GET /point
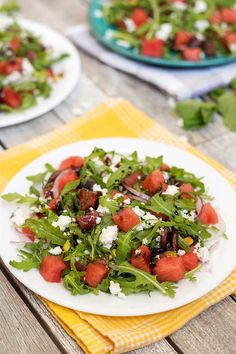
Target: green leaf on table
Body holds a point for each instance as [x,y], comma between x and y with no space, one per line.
[195,113]
[227,108]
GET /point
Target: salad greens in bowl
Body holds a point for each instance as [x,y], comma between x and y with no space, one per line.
[181,33]
[115,223]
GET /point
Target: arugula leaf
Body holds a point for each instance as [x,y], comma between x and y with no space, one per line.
[159,205]
[124,245]
[195,113]
[34,191]
[141,281]
[185,204]
[191,276]
[32,255]
[20,199]
[126,168]
[112,205]
[26,264]
[183,176]
[183,244]
[152,164]
[70,186]
[44,230]
[227,108]
[73,282]
[40,177]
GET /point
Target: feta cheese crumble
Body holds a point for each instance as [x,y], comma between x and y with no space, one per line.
[181,252]
[179,6]
[123,43]
[20,215]
[55,251]
[108,235]
[105,178]
[189,215]
[98,220]
[138,211]
[203,254]
[97,161]
[115,289]
[117,195]
[130,25]
[103,210]
[27,67]
[164,32]
[200,6]
[127,201]
[171,190]
[98,188]
[201,25]
[63,222]
[145,241]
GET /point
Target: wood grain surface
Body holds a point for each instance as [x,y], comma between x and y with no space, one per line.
[26,325]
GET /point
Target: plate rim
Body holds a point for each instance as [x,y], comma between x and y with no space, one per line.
[159,62]
[75,57]
[116,312]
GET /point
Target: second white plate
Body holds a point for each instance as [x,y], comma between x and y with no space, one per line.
[62,88]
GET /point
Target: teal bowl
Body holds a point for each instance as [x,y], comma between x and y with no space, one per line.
[99,27]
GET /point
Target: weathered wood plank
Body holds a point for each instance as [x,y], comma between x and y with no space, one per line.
[20,331]
[213,331]
[49,322]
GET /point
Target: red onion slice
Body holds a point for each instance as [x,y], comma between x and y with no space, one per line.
[143,196]
[199,205]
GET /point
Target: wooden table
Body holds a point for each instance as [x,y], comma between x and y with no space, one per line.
[26,325]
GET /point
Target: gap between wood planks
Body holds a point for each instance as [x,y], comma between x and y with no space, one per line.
[43,324]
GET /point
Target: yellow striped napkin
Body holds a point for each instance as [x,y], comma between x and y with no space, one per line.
[100,334]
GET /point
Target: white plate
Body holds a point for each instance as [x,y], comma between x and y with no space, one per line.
[222,260]
[63,87]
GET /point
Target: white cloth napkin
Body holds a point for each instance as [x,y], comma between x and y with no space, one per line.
[180,83]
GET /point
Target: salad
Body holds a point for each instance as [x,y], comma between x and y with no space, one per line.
[27,69]
[115,223]
[186,29]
